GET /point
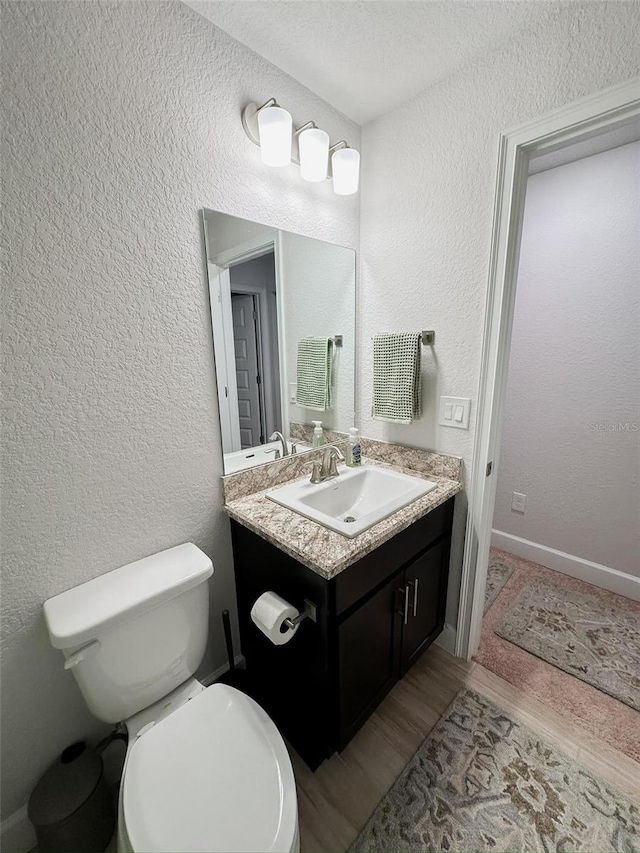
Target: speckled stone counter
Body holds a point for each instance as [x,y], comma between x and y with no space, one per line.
[324,551]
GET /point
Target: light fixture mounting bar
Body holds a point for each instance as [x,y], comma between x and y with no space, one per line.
[304,126]
[250,121]
[270,103]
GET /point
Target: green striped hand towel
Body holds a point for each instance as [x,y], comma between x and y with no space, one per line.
[315,367]
[397,383]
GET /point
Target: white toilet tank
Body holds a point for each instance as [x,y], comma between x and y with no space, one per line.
[133,635]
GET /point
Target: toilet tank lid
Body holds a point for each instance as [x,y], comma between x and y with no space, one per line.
[79,614]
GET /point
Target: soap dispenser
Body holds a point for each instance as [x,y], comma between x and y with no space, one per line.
[318,435]
[354,449]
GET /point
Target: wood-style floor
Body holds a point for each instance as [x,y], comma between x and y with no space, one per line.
[336,801]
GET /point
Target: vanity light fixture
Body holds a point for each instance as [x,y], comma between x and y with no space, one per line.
[274,130]
[313,145]
[271,127]
[345,165]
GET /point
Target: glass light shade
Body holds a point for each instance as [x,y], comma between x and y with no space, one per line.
[275,128]
[345,165]
[314,154]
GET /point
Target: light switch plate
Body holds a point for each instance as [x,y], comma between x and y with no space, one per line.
[293,392]
[454,412]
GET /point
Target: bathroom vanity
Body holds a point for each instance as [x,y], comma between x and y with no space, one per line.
[375,614]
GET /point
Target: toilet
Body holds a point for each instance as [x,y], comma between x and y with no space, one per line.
[206,769]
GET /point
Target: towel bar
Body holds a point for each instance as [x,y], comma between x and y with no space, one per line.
[426,337]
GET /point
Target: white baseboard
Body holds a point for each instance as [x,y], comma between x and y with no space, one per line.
[17,834]
[568,564]
[447,639]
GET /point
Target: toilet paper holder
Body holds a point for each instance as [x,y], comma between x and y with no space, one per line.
[309,611]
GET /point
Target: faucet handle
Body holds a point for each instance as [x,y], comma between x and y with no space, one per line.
[316,472]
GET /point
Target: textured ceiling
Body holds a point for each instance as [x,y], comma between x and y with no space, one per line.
[365,58]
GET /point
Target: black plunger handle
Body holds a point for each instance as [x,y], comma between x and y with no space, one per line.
[226,621]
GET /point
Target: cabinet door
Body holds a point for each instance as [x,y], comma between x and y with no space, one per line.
[426,592]
[368,643]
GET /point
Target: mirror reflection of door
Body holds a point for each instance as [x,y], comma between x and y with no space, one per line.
[248,368]
[255,337]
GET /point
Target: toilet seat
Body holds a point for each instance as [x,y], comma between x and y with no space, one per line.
[214,775]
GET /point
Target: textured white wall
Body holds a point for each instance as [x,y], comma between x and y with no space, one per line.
[575,364]
[121,121]
[427,200]
[320,299]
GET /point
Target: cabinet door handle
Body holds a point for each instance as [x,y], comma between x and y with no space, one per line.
[404,591]
[406,604]
[415,597]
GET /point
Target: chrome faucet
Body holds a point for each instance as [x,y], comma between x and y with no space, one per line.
[327,469]
[278,436]
[330,458]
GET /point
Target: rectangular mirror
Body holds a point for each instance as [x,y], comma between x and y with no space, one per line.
[283,317]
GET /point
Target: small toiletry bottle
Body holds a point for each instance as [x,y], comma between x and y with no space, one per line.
[318,435]
[354,451]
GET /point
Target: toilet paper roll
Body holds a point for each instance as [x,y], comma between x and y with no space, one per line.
[269,612]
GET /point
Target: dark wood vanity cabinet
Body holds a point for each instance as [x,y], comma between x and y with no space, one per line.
[373,620]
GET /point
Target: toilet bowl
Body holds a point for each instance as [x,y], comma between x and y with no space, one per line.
[206,768]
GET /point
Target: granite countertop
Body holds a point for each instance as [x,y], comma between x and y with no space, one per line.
[324,551]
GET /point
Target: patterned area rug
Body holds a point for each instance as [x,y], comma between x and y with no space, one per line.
[583,704]
[579,634]
[498,574]
[483,782]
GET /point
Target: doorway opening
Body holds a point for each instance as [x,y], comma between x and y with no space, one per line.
[610,111]
[255,344]
[245,289]
[560,620]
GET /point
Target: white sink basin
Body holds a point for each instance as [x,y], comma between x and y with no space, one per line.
[353,501]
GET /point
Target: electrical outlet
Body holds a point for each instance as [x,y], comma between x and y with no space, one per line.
[293,393]
[518,502]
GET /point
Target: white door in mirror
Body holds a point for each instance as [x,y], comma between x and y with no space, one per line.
[354,501]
